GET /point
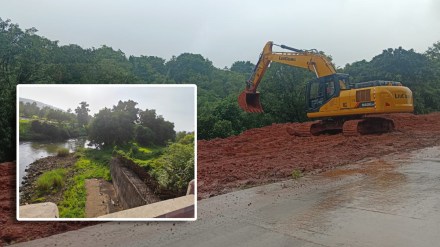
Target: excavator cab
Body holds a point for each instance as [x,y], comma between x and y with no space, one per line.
[323,89]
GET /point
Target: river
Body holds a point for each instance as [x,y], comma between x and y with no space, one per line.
[30,151]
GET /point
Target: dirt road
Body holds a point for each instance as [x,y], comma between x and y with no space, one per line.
[101,198]
[392,201]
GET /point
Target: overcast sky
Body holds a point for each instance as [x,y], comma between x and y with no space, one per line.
[229,30]
[176,104]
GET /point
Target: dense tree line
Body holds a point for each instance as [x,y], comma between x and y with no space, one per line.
[51,124]
[31,110]
[26,57]
[46,131]
[125,122]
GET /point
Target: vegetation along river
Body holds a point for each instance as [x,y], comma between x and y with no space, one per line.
[30,151]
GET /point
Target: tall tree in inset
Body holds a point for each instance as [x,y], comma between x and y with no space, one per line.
[114,126]
[82,113]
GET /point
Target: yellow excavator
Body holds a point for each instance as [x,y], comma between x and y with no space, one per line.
[353,109]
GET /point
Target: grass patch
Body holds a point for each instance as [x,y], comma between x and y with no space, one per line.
[143,156]
[62,152]
[51,181]
[39,199]
[24,129]
[89,165]
[102,156]
[296,174]
[93,163]
[145,150]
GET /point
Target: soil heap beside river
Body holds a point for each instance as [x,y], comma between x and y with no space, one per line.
[12,231]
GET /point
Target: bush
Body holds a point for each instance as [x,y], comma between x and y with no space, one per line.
[144,135]
[62,152]
[177,166]
[296,174]
[51,180]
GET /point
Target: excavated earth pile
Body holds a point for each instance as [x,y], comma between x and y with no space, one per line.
[11,230]
[270,154]
[254,157]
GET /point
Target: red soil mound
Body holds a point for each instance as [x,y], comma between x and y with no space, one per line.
[269,154]
[11,230]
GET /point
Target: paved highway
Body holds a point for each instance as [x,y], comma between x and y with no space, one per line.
[392,201]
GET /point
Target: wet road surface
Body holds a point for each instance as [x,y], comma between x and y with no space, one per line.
[393,201]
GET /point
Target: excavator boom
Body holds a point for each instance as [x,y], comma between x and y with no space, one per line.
[249,99]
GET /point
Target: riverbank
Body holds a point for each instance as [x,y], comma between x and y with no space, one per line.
[65,178]
[30,151]
[29,192]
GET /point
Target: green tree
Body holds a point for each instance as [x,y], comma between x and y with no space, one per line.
[101,127]
[128,108]
[144,135]
[433,52]
[222,128]
[178,165]
[163,130]
[114,126]
[82,113]
[148,68]
[244,67]
[187,66]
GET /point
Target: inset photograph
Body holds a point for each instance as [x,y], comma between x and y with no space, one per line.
[106,152]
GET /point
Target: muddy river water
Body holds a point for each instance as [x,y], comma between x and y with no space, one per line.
[30,151]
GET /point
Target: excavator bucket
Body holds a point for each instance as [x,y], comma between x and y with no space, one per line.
[250,102]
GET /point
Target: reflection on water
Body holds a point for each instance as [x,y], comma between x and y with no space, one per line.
[30,151]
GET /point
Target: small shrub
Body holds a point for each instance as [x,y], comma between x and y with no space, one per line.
[296,174]
[39,199]
[62,152]
[51,180]
[134,149]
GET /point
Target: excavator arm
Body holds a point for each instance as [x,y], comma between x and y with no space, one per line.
[249,99]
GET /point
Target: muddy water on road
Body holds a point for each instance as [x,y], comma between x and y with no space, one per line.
[395,203]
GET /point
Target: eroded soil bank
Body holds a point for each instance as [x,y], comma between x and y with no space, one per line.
[268,154]
[11,230]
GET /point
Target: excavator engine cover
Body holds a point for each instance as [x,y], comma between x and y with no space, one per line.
[250,102]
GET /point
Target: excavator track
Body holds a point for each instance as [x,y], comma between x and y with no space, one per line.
[350,128]
[305,130]
[367,125]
